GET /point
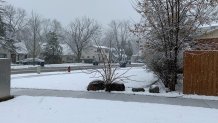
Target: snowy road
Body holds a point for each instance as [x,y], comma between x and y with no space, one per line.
[49,68]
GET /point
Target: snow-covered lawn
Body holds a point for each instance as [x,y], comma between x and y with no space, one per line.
[26,109]
[76,80]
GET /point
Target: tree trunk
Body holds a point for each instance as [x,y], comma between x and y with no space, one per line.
[78,57]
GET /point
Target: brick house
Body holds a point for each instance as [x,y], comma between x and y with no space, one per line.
[207,41]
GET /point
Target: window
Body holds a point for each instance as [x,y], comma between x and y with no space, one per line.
[3,55]
[99,50]
[87,57]
[106,51]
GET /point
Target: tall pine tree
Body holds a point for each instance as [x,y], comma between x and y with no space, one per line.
[53,50]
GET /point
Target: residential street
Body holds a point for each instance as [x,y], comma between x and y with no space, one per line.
[117,97]
[53,69]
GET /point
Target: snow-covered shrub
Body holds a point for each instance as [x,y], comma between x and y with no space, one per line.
[115,87]
[154,89]
[96,85]
[156,62]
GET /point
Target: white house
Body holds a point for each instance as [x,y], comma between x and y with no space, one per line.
[100,53]
[19,54]
[67,54]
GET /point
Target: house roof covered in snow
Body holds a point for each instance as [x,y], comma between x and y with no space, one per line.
[207,32]
[102,47]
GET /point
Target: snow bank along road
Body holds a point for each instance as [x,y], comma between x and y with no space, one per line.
[117,97]
[53,69]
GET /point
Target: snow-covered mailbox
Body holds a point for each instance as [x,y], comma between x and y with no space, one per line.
[5,73]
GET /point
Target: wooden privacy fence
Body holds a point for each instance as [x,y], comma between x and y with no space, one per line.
[201,73]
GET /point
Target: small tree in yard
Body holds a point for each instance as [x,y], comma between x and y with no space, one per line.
[109,73]
[166,27]
[53,50]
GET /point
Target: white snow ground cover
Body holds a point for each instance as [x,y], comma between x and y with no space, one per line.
[76,80]
[25,109]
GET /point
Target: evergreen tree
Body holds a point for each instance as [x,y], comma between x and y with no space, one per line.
[53,50]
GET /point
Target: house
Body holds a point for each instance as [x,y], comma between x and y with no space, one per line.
[20,52]
[208,40]
[67,54]
[4,52]
[99,53]
[94,53]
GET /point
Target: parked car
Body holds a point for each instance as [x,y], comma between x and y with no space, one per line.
[129,61]
[123,63]
[95,62]
[140,61]
[29,61]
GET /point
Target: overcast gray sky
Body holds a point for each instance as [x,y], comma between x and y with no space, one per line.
[66,10]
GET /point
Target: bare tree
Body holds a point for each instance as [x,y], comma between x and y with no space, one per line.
[166,26]
[119,36]
[2,25]
[52,26]
[32,35]
[109,72]
[80,33]
[15,21]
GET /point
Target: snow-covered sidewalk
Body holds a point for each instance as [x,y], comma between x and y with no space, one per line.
[26,109]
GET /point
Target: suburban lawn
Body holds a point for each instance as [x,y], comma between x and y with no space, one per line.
[77,80]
